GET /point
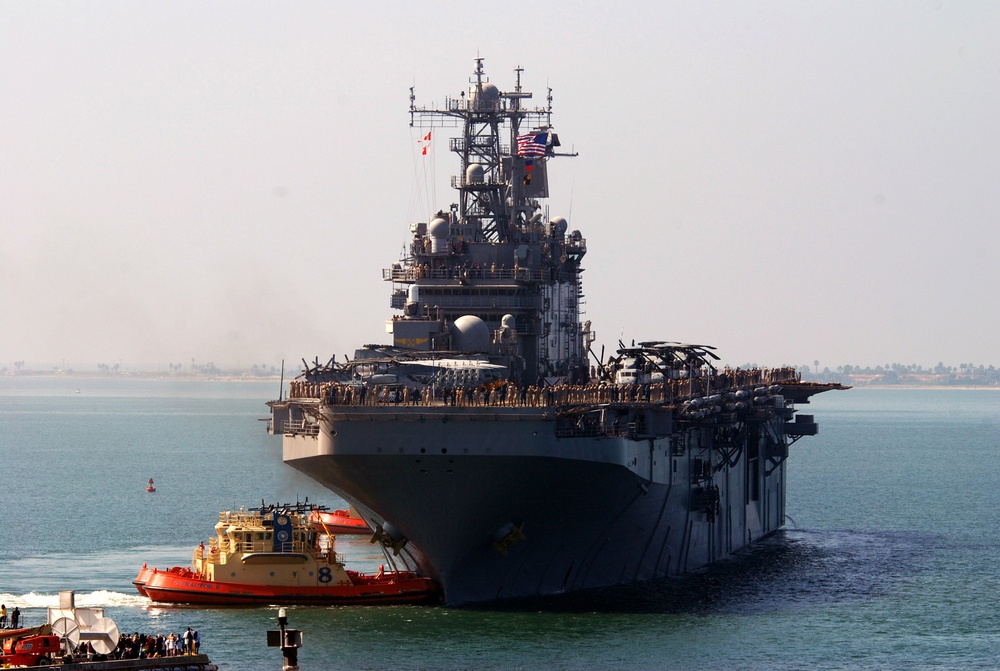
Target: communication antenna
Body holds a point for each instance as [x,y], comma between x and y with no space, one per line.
[281,382]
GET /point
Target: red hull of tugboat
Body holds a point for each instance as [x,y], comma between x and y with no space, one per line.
[179,585]
[140,580]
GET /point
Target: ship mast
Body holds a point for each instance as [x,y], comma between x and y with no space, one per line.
[493,200]
[494,255]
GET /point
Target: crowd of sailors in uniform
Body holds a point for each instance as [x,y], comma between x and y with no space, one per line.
[466,271]
[142,646]
[148,646]
[503,393]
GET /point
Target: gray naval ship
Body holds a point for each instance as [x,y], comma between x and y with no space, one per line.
[489,447]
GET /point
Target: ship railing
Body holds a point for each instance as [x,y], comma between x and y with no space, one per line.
[240,518]
[592,429]
[300,428]
[481,143]
[478,301]
[323,554]
[532,116]
[246,547]
[507,395]
[458,181]
[412,273]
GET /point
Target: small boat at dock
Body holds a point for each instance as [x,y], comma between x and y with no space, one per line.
[275,554]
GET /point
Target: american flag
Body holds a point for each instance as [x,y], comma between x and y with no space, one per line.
[532,145]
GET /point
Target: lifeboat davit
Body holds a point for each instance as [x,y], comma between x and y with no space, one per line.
[275,554]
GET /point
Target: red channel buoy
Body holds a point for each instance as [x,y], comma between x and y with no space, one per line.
[151,488]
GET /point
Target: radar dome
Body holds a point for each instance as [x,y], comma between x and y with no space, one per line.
[508,322]
[474,174]
[470,334]
[486,97]
[438,228]
[438,231]
[559,226]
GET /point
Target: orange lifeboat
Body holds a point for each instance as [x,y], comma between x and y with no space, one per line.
[339,521]
[142,577]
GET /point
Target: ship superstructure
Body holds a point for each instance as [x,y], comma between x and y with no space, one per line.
[495,273]
[485,449]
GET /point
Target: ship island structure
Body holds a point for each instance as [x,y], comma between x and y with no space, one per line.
[488,446]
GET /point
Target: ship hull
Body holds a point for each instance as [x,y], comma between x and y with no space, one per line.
[494,505]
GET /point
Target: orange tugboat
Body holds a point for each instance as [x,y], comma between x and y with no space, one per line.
[277,554]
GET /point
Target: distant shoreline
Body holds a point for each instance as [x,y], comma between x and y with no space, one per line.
[223,377]
[957,387]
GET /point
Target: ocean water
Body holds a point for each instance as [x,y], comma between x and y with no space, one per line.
[889,559]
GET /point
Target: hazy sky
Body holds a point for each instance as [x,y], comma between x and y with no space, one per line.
[224,181]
